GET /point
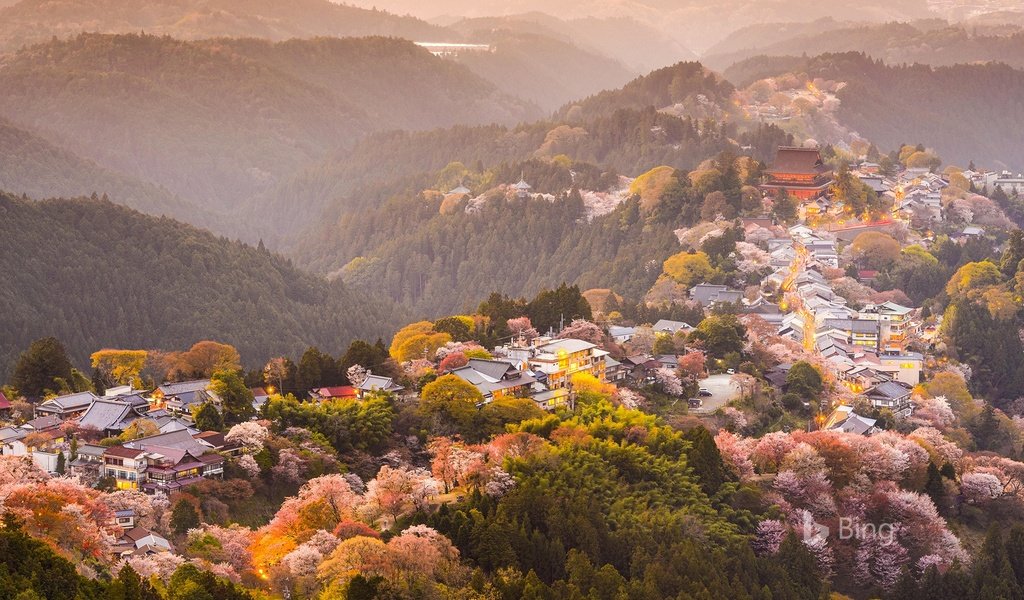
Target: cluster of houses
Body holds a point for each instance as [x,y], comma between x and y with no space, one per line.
[173,454]
[540,369]
[865,349]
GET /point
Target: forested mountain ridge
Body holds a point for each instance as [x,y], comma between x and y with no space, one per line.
[98,275]
[32,21]
[961,111]
[33,166]
[928,42]
[235,116]
[392,164]
[683,83]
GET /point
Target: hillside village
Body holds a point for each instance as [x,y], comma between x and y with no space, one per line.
[808,345]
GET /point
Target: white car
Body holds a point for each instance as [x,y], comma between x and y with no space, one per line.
[731,372]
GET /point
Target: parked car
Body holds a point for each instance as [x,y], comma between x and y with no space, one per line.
[695,402]
[731,371]
[704,392]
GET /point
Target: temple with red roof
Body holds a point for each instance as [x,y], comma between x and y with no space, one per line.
[799,171]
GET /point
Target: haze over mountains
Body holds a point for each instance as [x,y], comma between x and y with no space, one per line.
[218,118]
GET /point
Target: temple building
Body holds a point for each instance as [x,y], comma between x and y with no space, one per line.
[799,171]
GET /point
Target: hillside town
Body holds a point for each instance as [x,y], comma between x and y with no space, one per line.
[804,339]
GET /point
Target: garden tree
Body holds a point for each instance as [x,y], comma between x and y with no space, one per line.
[236,399]
[664,344]
[362,353]
[316,369]
[204,359]
[61,463]
[208,418]
[875,250]
[784,207]
[184,516]
[410,331]
[720,247]
[858,198]
[417,341]
[720,335]
[564,304]
[581,329]
[121,367]
[716,206]
[689,268]
[139,429]
[43,368]
[493,418]
[804,380]
[452,361]
[917,272]
[521,327]
[973,276]
[706,461]
[449,403]
[280,374]
[460,328]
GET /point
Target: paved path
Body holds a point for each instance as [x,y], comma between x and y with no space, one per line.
[722,388]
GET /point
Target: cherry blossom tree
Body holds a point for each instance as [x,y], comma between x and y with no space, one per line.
[581,329]
[452,361]
[356,375]
[499,482]
[399,491]
[768,537]
[980,488]
[248,464]
[451,461]
[735,454]
[160,565]
[880,560]
[630,399]
[521,327]
[668,381]
[932,412]
[252,436]
[770,450]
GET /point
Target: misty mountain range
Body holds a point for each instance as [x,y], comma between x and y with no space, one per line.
[325,132]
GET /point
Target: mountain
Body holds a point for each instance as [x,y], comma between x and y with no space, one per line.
[694,24]
[34,166]
[926,42]
[638,46]
[33,21]
[686,83]
[546,71]
[98,275]
[961,111]
[219,121]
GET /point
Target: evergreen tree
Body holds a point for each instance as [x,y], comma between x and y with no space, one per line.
[208,418]
[236,399]
[41,367]
[184,517]
[705,460]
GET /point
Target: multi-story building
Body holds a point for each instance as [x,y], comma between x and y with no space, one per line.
[559,360]
[894,325]
[165,462]
[801,172]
